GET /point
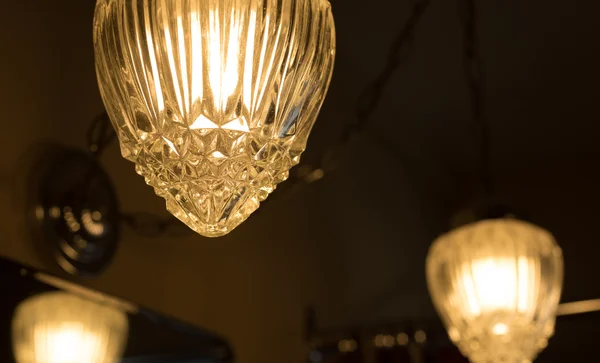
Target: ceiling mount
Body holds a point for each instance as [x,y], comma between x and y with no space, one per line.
[73,213]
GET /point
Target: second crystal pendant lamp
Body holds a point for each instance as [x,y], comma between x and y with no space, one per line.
[213,100]
[494,280]
[496,284]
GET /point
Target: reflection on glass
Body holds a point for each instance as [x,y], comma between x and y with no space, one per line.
[59,327]
[496,285]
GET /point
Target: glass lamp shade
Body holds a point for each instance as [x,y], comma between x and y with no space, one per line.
[496,285]
[213,99]
[58,327]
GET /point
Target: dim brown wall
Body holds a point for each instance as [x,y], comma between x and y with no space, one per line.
[251,287]
[354,244]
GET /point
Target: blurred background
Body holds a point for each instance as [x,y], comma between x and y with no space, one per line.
[352,246]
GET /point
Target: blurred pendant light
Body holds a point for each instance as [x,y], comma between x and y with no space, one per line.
[59,327]
[494,280]
[496,284]
[213,99]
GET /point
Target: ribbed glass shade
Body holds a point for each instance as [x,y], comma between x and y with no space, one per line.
[58,327]
[496,285]
[213,99]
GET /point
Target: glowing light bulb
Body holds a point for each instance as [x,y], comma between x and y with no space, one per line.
[58,327]
[496,285]
[213,100]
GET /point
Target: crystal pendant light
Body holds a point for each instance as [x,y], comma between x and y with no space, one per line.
[213,99]
[59,327]
[496,284]
[495,280]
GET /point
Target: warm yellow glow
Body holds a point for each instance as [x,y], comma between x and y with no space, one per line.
[503,283]
[213,100]
[59,327]
[66,343]
[496,285]
[500,329]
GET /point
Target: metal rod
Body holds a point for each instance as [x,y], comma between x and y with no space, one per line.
[474,74]
[578,307]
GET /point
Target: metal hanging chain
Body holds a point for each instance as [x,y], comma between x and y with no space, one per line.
[475,81]
[151,225]
[100,134]
[368,99]
[371,96]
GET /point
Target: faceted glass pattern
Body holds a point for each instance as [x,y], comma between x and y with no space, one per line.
[213,99]
[58,327]
[496,285]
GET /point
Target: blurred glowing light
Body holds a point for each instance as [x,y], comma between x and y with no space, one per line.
[92,222]
[54,212]
[402,339]
[496,285]
[58,327]
[96,216]
[388,341]
[420,336]
[39,213]
[347,345]
[72,223]
[384,341]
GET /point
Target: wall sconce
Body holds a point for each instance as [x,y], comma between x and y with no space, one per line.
[72,210]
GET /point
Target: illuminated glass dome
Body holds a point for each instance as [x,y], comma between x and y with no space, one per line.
[213,100]
[59,327]
[496,285]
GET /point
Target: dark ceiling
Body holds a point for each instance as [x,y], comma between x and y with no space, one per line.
[354,244]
